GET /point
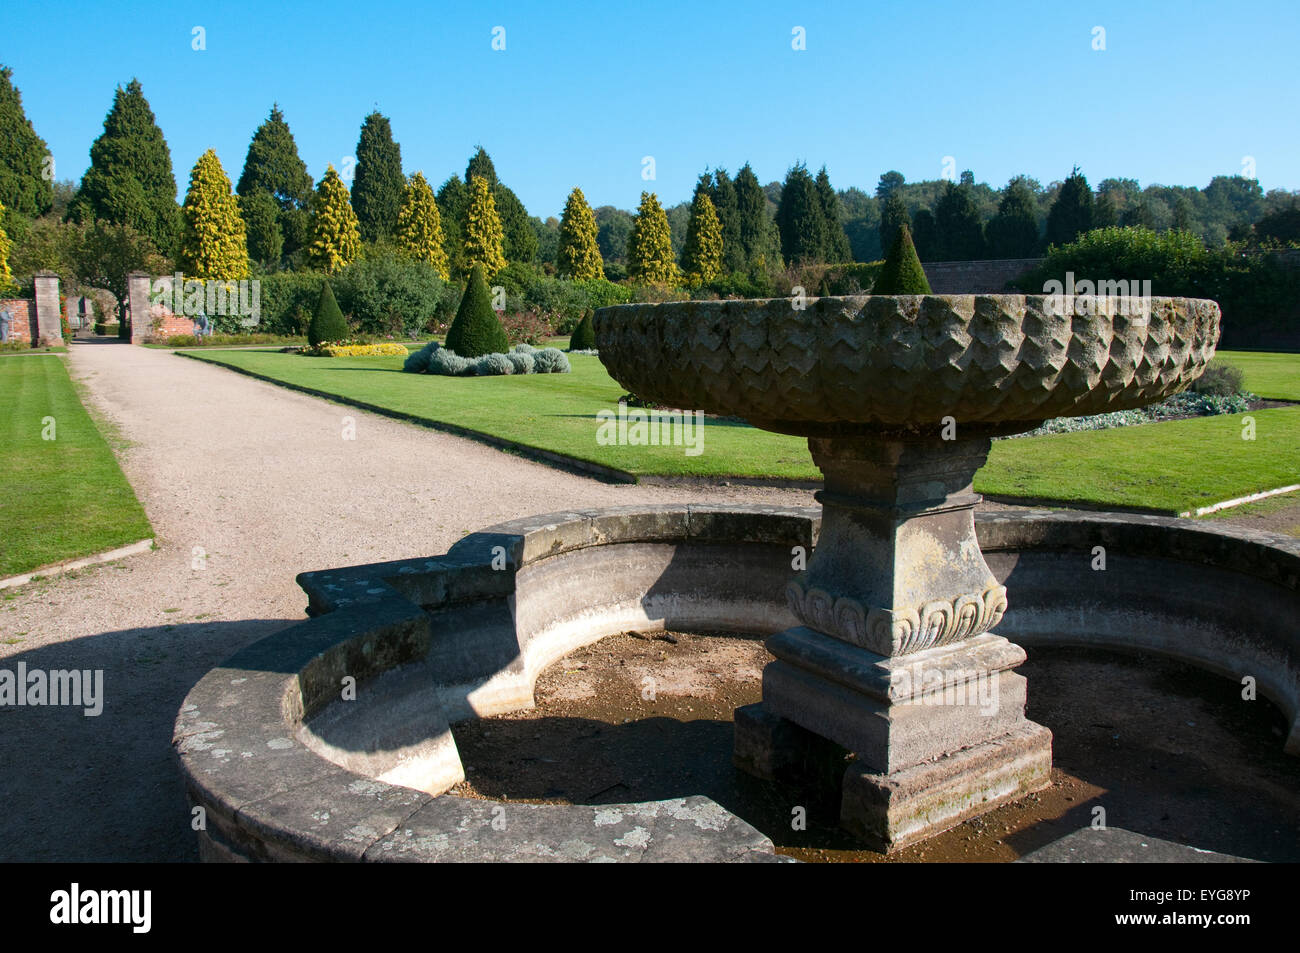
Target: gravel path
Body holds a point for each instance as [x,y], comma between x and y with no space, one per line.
[262,481]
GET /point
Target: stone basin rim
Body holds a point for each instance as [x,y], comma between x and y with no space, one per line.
[716,302]
[244,705]
[900,361]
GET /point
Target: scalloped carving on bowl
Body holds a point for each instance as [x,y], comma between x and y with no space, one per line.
[873,362]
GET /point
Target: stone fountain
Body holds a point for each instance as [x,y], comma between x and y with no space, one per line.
[333,739]
[896,660]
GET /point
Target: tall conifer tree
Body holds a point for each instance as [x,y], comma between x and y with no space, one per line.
[727,204]
[419,226]
[483,234]
[650,246]
[1013,231]
[893,216]
[957,221]
[925,235]
[130,179]
[274,168]
[760,245]
[519,241]
[264,235]
[801,218]
[335,237]
[836,247]
[213,242]
[25,185]
[453,199]
[1071,214]
[702,256]
[579,254]
[379,184]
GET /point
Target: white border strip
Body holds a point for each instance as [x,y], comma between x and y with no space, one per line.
[1241,500]
[142,546]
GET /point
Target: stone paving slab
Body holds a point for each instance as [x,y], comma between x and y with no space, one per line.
[1114,845]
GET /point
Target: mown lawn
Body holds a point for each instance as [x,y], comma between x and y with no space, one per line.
[1276,376]
[1167,467]
[64,497]
[555,412]
[1173,467]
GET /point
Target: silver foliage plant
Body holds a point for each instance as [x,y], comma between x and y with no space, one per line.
[522,359]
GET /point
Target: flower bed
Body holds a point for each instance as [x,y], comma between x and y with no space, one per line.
[351,349]
[1178,407]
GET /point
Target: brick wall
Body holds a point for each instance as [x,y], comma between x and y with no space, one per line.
[163,323]
[975,277]
[24,315]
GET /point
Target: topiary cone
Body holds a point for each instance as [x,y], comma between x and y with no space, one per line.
[584,335]
[328,323]
[476,330]
[902,273]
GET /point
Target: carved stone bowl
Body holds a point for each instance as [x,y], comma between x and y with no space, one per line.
[870,363]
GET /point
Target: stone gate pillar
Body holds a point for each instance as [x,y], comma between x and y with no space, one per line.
[48,331]
[138,286]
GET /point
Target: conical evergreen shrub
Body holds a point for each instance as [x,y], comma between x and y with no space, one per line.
[213,236]
[902,273]
[584,335]
[328,323]
[476,329]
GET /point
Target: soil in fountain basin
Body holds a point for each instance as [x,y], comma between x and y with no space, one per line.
[1165,749]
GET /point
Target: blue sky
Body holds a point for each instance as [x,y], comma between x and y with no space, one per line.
[583,91]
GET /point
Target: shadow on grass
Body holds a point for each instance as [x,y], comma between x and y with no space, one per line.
[382,370]
[708,421]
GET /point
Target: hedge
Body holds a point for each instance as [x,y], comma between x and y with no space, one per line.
[1257,288]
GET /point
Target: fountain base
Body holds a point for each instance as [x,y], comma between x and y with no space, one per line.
[890,811]
[938,735]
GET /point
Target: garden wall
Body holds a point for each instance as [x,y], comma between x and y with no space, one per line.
[24,318]
[975,277]
[154,321]
[37,322]
[163,323]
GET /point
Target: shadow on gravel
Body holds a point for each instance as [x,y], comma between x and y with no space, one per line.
[106,788]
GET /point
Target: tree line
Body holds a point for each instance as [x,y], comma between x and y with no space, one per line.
[276,218]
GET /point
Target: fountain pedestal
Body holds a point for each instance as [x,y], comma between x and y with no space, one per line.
[895,662]
[897,604]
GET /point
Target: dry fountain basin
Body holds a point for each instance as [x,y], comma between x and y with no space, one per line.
[331,740]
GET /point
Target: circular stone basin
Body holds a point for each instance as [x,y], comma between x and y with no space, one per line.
[906,361]
[1158,744]
[288,769]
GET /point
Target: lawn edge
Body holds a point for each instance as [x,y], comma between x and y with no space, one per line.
[1241,501]
[1086,505]
[114,442]
[80,562]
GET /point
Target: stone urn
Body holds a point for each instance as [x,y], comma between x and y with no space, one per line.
[896,660]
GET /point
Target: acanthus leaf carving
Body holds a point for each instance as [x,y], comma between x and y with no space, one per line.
[896,632]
